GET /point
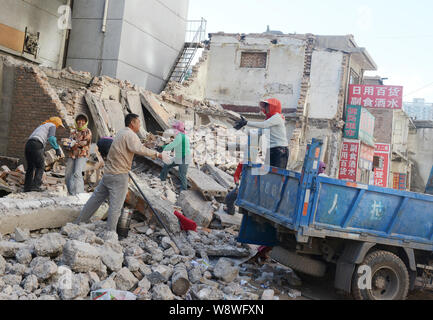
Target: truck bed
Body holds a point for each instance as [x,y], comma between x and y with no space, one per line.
[328,207]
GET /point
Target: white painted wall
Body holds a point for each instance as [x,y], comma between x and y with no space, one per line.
[153,34]
[39,16]
[420,145]
[228,83]
[326,77]
[141,44]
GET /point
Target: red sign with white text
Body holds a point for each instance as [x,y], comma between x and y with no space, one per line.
[349,161]
[381,174]
[380,97]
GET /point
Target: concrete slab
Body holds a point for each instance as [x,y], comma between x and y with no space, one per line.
[35,214]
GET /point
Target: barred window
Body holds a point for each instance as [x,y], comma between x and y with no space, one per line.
[253,59]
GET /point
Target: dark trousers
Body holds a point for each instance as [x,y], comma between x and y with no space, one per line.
[279,157]
[230,201]
[183,170]
[35,158]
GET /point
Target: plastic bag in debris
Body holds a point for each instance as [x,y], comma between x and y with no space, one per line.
[111,294]
[201,262]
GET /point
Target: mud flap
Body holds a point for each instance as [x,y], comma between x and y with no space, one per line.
[252,232]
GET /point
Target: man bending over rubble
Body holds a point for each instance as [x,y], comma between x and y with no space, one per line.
[34,152]
[114,183]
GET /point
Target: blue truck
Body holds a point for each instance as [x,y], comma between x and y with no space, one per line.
[378,241]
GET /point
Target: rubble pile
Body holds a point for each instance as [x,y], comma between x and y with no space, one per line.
[71,262]
[77,261]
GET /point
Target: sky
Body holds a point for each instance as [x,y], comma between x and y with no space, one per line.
[398,34]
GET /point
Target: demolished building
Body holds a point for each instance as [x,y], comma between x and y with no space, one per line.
[242,69]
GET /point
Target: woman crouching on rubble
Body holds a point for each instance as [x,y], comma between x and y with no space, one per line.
[275,122]
[79,150]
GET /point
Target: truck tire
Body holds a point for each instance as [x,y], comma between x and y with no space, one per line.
[389,278]
[299,263]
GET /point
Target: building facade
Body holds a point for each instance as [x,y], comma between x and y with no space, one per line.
[130,40]
[419,109]
[310,74]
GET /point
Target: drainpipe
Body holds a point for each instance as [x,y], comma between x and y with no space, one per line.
[64,47]
[104,21]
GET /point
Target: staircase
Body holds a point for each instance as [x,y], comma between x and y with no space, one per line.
[181,67]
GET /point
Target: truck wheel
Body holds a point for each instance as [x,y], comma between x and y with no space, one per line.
[299,263]
[389,278]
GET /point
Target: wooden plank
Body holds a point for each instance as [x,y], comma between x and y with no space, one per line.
[116,115]
[99,115]
[161,116]
[135,106]
[11,38]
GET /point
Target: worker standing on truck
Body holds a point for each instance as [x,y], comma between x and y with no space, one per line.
[34,152]
[275,121]
[114,183]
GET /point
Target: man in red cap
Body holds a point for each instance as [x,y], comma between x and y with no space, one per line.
[275,122]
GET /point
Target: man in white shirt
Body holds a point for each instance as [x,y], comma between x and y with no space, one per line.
[114,183]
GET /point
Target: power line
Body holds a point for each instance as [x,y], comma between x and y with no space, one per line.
[428,85]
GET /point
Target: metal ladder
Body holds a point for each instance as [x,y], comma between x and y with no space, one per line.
[186,56]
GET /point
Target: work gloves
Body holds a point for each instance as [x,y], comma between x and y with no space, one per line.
[240,123]
[58,152]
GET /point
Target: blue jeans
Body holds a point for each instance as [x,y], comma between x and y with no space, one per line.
[74,175]
[183,170]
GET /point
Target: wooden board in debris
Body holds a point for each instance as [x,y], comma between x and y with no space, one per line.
[99,115]
[116,115]
[154,107]
[134,104]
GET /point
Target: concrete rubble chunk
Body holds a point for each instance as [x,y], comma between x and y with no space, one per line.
[268,294]
[50,244]
[9,249]
[162,292]
[24,256]
[225,270]
[112,256]
[165,271]
[76,232]
[45,270]
[125,280]
[21,235]
[179,281]
[80,288]
[2,265]
[155,278]
[81,257]
[132,263]
[30,283]
[195,274]
[12,279]
[108,283]
[17,268]
[145,284]
[194,207]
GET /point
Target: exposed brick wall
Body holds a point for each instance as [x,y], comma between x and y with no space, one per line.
[34,101]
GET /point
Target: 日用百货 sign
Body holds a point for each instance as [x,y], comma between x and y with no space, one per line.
[372,96]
